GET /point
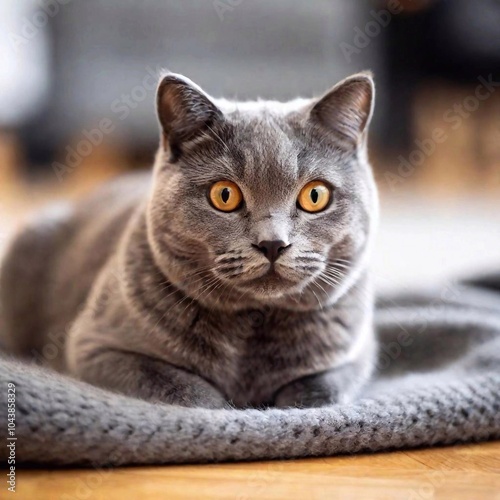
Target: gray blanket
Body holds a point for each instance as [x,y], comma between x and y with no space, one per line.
[437,382]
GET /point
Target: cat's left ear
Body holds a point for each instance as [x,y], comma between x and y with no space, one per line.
[185,111]
[346,110]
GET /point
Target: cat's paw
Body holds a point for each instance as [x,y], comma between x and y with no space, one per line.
[199,395]
[310,392]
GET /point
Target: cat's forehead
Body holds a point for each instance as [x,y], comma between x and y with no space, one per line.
[267,145]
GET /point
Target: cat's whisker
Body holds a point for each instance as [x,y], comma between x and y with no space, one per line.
[315,283]
[318,285]
[329,281]
[365,294]
[337,270]
[204,287]
[365,298]
[340,266]
[346,261]
[317,298]
[178,290]
[331,274]
[212,286]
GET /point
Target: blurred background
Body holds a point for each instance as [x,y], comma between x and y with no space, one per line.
[77,85]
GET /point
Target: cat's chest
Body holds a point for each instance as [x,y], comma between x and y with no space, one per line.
[250,355]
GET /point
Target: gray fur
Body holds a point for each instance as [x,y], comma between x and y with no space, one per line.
[152,292]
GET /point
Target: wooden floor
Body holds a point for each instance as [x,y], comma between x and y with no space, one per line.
[469,472]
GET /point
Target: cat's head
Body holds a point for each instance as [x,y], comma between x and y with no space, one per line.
[263,201]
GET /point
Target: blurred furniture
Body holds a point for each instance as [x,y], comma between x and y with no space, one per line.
[104,51]
[445,41]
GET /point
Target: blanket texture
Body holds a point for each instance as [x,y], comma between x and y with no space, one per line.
[437,382]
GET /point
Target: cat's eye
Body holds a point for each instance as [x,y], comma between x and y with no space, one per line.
[314,196]
[225,196]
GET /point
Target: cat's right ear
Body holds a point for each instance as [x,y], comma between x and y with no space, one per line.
[184,111]
[344,112]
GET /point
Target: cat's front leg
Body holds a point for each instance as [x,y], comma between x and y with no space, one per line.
[335,386]
[147,378]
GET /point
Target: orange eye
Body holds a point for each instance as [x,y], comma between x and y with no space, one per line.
[225,196]
[314,196]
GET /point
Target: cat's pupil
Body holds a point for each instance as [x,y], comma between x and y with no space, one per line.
[225,193]
[314,195]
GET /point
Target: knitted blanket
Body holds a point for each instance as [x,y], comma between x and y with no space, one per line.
[437,382]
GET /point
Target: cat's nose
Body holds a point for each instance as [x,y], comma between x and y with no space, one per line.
[272,249]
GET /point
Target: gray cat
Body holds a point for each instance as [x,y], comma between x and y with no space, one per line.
[236,275]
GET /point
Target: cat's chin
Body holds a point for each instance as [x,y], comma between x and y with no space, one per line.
[271,286]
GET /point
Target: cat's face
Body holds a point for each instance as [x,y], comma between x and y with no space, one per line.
[263,200]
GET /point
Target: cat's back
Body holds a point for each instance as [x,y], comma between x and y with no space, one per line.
[51,264]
